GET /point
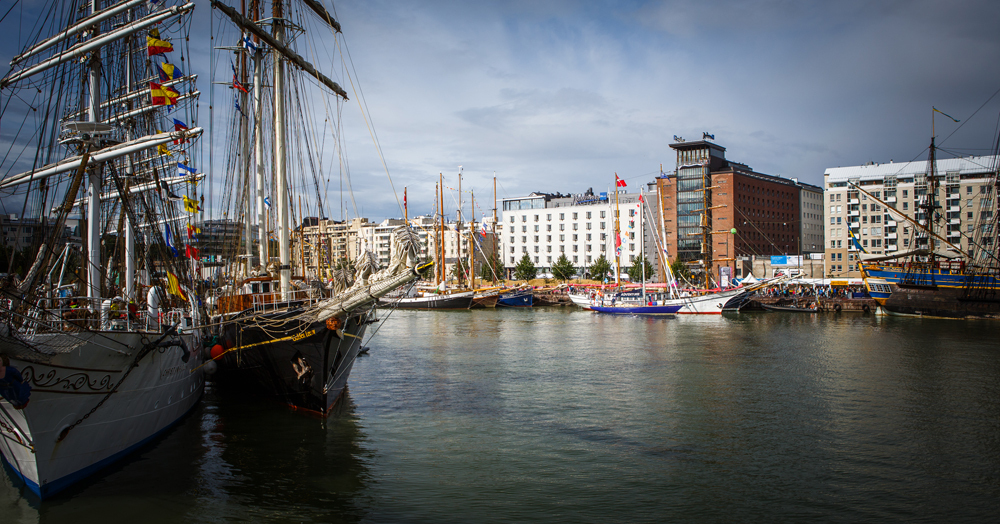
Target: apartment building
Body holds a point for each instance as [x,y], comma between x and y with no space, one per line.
[869,201]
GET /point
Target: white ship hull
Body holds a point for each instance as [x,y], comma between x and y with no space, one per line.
[69,385]
[708,304]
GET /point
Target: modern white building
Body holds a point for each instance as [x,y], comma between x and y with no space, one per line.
[963,194]
[581,226]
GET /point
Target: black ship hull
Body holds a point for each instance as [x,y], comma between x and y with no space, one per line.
[938,302]
[303,364]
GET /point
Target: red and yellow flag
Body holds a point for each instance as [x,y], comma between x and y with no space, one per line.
[174,287]
[155,46]
[162,95]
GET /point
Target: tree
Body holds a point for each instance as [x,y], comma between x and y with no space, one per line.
[635,272]
[491,265]
[680,270]
[563,269]
[525,270]
[459,271]
[600,268]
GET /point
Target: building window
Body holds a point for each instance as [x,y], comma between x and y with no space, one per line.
[524,239]
[524,229]
[536,260]
[588,236]
[562,227]
[576,237]
[604,247]
[906,205]
[562,238]
[524,218]
[602,225]
[536,238]
[511,240]
[548,238]
[562,249]
[548,216]
[602,215]
[906,193]
[574,216]
[512,219]
[548,249]
[576,259]
[548,227]
[588,215]
[575,248]
[536,228]
[576,226]
[536,249]
[548,259]
[604,236]
[588,225]
[562,216]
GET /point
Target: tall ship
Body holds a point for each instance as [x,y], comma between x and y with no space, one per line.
[939,278]
[101,327]
[294,333]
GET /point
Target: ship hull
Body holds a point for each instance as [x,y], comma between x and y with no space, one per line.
[639,310]
[77,422]
[454,301]
[304,364]
[937,293]
[516,300]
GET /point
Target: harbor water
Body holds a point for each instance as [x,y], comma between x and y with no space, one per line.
[561,415]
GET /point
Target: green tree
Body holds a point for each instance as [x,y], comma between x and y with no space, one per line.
[491,265]
[563,269]
[600,268]
[525,270]
[635,272]
[680,270]
[460,270]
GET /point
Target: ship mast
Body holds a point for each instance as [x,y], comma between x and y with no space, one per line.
[280,174]
[495,254]
[94,178]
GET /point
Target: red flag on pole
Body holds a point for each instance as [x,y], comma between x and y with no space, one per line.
[619,182]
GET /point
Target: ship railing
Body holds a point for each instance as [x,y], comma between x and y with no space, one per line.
[264,302]
[67,314]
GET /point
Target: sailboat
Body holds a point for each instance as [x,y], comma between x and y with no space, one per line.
[290,334]
[931,282]
[440,296]
[101,339]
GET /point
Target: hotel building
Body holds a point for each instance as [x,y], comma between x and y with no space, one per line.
[581,226]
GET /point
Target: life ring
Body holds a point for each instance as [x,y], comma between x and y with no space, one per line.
[866,309]
[837,308]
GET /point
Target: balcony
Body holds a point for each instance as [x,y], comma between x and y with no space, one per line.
[891,247]
[890,236]
[890,200]
[953,209]
[855,225]
[854,213]
[955,221]
[853,201]
[890,223]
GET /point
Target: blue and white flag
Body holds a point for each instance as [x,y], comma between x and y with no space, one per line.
[249,45]
[170,243]
[183,170]
[267,202]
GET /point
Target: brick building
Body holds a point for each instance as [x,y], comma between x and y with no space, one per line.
[710,197]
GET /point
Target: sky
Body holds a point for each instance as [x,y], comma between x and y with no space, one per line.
[558,96]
